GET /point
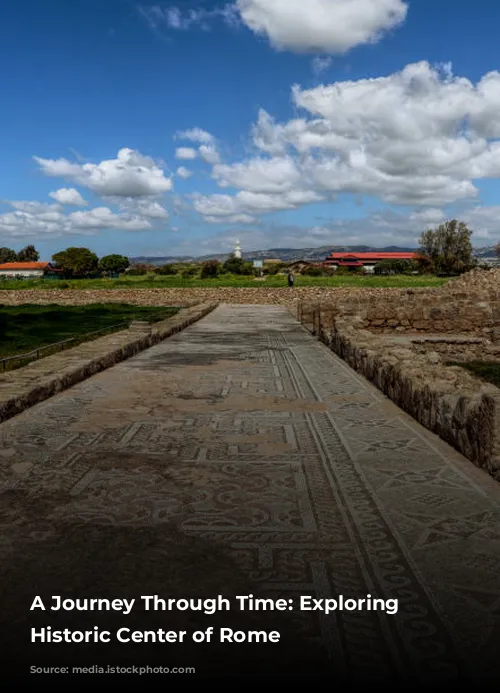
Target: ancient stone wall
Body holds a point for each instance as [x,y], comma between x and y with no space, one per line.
[39,380]
[445,399]
[404,343]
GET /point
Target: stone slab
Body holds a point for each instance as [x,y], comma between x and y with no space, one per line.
[24,387]
[242,456]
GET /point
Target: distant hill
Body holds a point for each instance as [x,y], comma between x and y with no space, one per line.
[295,254]
[284,254]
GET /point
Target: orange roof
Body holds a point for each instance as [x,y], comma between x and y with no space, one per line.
[24,265]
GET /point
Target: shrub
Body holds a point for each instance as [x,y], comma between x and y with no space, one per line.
[273,269]
[313,271]
[235,265]
[210,269]
[166,270]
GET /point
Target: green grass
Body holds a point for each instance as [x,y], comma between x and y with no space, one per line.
[485,370]
[273,281]
[28,327]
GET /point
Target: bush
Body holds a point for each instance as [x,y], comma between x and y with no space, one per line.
[273,269]
[166,270]
[313,271]
[137,272]
[235,265]
[210,269]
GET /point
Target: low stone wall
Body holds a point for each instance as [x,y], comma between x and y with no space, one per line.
[446,400]
[258,295]
[39,380]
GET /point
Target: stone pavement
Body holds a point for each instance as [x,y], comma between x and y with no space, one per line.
[242,457]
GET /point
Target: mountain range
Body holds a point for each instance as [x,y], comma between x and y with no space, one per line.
[294,254]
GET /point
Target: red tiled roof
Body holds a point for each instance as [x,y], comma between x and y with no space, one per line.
[372,256]
[24,265]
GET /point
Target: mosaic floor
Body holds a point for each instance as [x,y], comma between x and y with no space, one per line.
[261,454]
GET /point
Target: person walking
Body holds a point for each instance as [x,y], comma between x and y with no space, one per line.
[291,278]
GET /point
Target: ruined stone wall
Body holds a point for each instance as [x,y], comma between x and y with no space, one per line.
[445,399]
[459,307]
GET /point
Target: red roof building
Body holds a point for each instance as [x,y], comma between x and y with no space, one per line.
[366,260]
[26,269]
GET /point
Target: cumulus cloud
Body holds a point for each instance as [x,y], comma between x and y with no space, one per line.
[275,175]
[68,196]
[225,207]
[186,153]
[36,219]
[196,135]
[419,136]
[183,172]
[129,175]
[209,153]
[145,209]
[321,26]
[315,26]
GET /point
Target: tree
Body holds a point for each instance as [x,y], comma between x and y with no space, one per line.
[28,254]
[8,255]
[114,263]
[449,247]
[78,262]
[210,269]
[235,265]
[396,267]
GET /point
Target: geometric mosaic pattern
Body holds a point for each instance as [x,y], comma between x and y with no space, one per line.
[245,431]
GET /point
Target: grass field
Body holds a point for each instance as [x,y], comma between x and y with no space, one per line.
[153,281]
[488,371]
[29,327]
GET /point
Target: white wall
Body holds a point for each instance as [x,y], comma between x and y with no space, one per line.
[22,273]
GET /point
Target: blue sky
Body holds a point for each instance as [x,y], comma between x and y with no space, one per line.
[176,128]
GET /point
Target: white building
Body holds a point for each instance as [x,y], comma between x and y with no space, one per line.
[237,250]
[24,269]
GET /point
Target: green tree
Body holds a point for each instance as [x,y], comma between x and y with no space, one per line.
[210,269]
[114,263]
[8,255]
[449,247]
[28,254]
[236,265]
[77,262]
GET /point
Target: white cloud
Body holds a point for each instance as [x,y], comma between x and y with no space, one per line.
[275,175]
[129,175]
[419,136]
[196,135]
[145,209]
[312,26]
[69,196]
[251,203]
[232,219]
[209,154]
[321,26]
[37,219]
[104,218]
[183,172]
[186,153]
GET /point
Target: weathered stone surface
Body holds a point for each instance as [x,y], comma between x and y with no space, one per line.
[421,385]
[22,388]
[242,457]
